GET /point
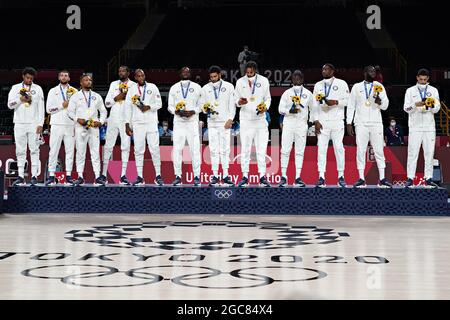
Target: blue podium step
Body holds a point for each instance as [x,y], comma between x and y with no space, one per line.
[151,199]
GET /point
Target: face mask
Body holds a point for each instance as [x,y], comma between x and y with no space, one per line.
[393,124]
[165,128]
[422,86]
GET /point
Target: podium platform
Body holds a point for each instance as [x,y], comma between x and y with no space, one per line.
[151,199]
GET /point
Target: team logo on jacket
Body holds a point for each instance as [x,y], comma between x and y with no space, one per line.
[428,94]
[304,96]
[149,91]
[223,89]
[258,85]
[191,90]
[335,88]
[33,92]
[94,98]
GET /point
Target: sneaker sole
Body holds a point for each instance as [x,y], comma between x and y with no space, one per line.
[299,185]
[383,187]
[360,187]
[322,186]
[124,183]
[138,184]
[158,184]
[243,186]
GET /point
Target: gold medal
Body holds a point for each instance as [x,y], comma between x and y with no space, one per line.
[216,103]
[368,103]
[27,105]
[252,99]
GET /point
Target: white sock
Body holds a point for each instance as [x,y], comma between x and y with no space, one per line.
[298,172]
[139,171]
[105,168]
[225,172]
[124,168]
[216,173]
[340,174]
[80,175]
[245,175]
[21,172]
[322,175]
[157,170]
[283,172]
[361,174]
[381,173]
[68,173]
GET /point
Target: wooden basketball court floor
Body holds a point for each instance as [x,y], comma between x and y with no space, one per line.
[223,257]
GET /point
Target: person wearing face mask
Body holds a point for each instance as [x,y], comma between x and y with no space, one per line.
[27,101]
[62,127]
[367,99]
[164,130]
[184,104]
[295,126]
[422,127]
[394,133]
[219,94]
[328,118]
[252,90]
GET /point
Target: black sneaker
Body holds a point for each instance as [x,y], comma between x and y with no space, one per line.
[99,182]
[227,182]
[341,182]
[384,184]
[243,183]
[360,184]
[409,183]
[104,179]
[139,181]
[264,183]
[177,181]
[299,183]
[283,183]
[19,182]
[197,182]
[34,181]
[51,181]
[214,182]
[429,183]
[79,182]
[159,180]
[69,180]
[124,181]
[321,183]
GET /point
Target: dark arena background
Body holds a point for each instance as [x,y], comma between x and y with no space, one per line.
[199,240]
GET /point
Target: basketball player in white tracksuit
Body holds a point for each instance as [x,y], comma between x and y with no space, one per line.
[142,123]
[62,127]
[185,124]
[28,122]
[422,127]
[295,126]
[364,108]
[328,118]
[84,106]
[251,90]
[220,95]
[115,99]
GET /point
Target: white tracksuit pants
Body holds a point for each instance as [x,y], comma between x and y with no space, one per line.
[260,135]
[58,134]
[112,131]
[82,140]
[427,141]
[295,133]
[141,134]
[25,135]
[219,147]
[335,132]
[373,134]
[182,132]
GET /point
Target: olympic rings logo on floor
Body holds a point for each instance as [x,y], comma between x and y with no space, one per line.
[223,194]
[100,276]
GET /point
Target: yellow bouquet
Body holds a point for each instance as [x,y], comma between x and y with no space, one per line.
[123,87]
[24,92]
[89,124]
[377,88]
[296,100]
[429,103]
[180,106]
[70,92]
[208,109]
[260,108]
[320,97]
